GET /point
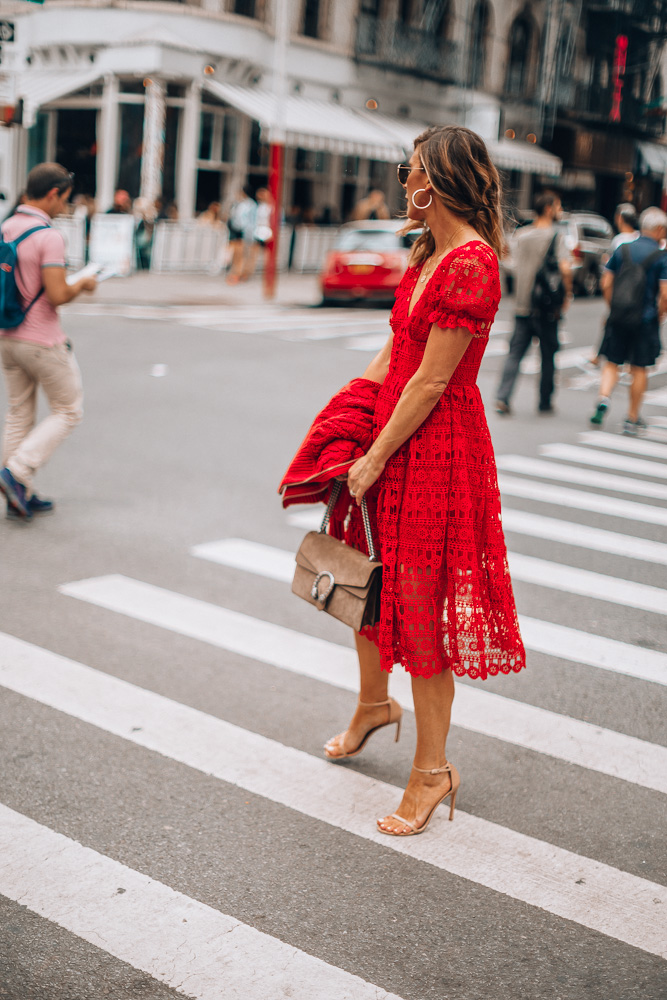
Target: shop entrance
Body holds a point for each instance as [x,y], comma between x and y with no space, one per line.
[76,146]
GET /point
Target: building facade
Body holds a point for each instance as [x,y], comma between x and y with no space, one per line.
[180,99]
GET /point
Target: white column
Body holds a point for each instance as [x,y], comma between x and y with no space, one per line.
[152,161]
[107,144]
[188,151]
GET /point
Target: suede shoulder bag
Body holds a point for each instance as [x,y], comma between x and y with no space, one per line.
[336,578]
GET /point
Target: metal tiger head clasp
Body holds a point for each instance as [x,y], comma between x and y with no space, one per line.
[314,592]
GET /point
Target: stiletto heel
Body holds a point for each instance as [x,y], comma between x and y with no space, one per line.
[395,716]
[451,791]
[451,806]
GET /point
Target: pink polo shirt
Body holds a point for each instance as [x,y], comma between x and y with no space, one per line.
[43,249]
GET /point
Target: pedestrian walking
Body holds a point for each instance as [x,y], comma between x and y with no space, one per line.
[241,227]
[35,352]
[627,224]
[263,232]
[543,293]
[372,207]
[429,475]
[634,284]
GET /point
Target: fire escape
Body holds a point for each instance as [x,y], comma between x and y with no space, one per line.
[622,87]
[403,45]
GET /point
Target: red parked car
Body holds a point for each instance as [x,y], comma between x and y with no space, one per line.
[367,262]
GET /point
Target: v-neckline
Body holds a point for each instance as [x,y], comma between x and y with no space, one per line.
[410,310]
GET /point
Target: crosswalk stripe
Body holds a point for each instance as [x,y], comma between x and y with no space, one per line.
[279,565]
[177,940]
[562,496]
[616,442]
[583,536]
[479,711]
[605,460]
[590,893]
[598,586]
[527,466]
[520,522]
[540,636]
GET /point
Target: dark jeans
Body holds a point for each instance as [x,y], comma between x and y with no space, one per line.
[527,327]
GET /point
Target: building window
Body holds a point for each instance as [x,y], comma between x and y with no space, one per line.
[519,57]
[246,8]
[310,25]
[479,36]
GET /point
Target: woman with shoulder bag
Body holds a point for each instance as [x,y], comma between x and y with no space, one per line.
[429,475]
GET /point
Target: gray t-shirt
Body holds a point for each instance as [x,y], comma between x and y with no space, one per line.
[532,243]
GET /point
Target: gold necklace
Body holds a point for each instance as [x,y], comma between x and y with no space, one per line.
[426,272]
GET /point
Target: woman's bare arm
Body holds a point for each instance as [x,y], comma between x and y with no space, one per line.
[379,366]
[444,350]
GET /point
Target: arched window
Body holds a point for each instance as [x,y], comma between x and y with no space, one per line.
[435,18]
[311,18]
[519,56]
[479,34]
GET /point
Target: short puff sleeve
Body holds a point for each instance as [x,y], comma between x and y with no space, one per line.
[469,292]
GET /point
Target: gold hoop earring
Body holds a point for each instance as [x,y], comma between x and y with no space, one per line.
[421,208]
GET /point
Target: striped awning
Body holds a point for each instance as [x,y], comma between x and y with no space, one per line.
[312,124]
[513,154]
[44,87]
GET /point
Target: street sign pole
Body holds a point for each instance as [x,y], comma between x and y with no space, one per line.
[277,144]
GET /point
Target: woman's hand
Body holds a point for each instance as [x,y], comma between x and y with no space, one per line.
[365,471]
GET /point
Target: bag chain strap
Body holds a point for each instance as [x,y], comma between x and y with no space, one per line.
[333,500]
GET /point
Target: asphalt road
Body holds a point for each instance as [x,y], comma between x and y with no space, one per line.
[169,826]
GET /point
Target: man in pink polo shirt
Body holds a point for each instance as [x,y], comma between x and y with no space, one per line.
[37,353]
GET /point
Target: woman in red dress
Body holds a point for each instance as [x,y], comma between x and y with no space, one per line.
[430,475]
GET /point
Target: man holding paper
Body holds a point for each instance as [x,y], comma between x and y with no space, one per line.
[36,352]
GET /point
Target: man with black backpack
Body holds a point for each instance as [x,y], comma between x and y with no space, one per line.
[543,292]
[634,284]
[33,348]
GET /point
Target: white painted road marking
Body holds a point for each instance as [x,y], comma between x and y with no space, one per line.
[523,522]
[479,711]
[595,895]
[562,496]
[584,477]
[618,442]
[540,636]
[605,460]
[278,564]
[177,940]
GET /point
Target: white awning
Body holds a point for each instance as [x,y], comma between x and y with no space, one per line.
[318,125]
[654,156]
[403,131]
[41,88]
[512,154]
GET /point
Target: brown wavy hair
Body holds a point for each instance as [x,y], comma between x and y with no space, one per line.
[461,173]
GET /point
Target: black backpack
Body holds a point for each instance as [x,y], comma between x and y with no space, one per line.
[548,292]
[629,289]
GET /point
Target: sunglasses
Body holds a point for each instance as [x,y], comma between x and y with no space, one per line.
[403,172]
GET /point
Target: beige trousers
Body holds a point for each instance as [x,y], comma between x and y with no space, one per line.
[26,366]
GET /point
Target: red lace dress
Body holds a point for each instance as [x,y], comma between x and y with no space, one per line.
[447,596]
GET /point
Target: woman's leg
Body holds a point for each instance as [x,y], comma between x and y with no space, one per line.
[373,688]
[433,697]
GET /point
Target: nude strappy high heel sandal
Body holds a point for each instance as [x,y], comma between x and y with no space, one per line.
[456,781]
[395,717]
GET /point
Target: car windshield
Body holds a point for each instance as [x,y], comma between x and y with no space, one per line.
[371,239]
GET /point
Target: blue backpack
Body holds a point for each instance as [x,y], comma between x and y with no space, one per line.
[12,310]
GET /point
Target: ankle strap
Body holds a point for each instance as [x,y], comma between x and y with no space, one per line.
[432,770]
[374,704]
